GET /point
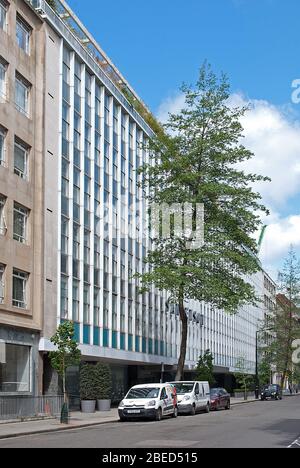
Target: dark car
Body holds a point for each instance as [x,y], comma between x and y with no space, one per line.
[219,398]
[273,392]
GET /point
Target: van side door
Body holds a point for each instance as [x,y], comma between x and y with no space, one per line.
[197,394]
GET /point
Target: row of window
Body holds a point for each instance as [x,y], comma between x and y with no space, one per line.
[22,88]
[20,221]
[21,154]
[20,281]
[23,31]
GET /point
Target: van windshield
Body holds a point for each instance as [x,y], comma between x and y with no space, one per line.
[183,388]
[142,393]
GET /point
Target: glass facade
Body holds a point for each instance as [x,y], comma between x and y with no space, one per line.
[102,215]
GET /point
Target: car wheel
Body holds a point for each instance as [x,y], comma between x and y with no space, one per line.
[158,416]
[123,419]
[207,408]
[193,410]
[175,414]
[228,406]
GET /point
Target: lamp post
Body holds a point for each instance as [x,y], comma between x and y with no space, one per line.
[256,366]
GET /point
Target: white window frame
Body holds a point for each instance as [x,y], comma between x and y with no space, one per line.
[3,225]
[21,210]
[2,282]
[3,93]
[24,175]
[4,8]
[3,134]
[26,30]
[20,81]
[21,275]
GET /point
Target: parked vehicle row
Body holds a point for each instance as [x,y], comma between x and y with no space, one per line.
[156,401]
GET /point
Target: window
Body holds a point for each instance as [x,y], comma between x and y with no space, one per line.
[20,223]
[22,91]
[21,160]
[3,227]
[64,298]
[3,69]
[75,300]
[20,281]
[23,32]
[2,271]
[3,13]
[2,146]
[15,368]
[86,304]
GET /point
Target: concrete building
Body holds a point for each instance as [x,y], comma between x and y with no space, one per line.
[87,215]
[21,196]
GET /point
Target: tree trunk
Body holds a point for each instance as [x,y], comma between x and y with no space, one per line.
[183,345]
[64,388]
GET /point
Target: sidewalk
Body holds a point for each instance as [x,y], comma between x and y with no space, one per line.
[77,420]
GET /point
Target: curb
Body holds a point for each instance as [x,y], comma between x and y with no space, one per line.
[243,402]
[57,429]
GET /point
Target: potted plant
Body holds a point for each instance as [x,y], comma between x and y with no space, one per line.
[103,386]
[87,388]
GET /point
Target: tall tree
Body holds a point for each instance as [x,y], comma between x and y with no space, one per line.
[199,163]
[205,368]
[285,322]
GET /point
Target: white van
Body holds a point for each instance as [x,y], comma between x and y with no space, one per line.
[192,397]
[153,401]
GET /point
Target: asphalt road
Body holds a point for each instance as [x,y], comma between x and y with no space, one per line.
[268,424]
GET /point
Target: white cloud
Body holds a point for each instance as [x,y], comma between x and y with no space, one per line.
[280,235]
[171,105]
[274,139]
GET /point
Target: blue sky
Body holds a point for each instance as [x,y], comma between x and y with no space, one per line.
[159,44]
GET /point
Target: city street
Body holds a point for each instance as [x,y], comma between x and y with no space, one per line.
[255,425]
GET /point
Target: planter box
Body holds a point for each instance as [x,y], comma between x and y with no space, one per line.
[88,406]
[104,405]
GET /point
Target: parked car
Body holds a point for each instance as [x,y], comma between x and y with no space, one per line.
[219,398]
[149,401]
[273,392]
[192,397]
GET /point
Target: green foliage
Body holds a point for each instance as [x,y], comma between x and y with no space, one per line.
[265,371]
[243,377]
[67,353]
[204,369]
[87,382]
[285,321]
[103,381]
[200,157]
[52,4]
[144,113]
